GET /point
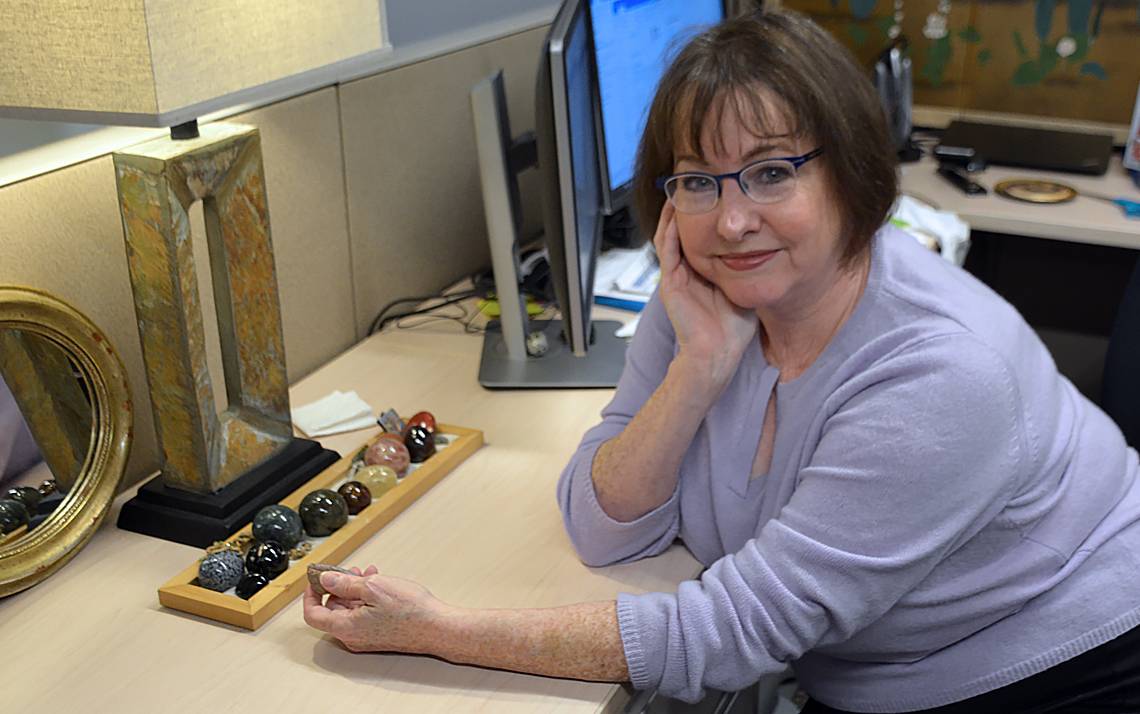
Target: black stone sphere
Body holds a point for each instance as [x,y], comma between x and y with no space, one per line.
[420,443]
[269,559]
[322,512]
[249,584]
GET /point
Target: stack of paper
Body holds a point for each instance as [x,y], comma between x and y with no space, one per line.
[338,412]
[625,278]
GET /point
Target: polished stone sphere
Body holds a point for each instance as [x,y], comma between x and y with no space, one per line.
[388,452]
[356,495]
[220,571]
[26,495]
[420,443]
[269,559]
[424,419]
[250,583]
[378,479]
[279,524]
[323,511]
[13,514]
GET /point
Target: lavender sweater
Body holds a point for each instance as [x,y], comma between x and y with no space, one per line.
[944,513]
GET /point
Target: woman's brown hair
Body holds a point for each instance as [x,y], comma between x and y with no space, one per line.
[738,66]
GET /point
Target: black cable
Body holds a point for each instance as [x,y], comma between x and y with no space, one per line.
[380,319]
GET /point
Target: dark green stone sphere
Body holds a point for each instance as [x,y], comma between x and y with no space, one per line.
[13,514]
[323,511]
[26,495]
[279,524]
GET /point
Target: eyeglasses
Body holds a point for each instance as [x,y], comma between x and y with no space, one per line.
[765,181]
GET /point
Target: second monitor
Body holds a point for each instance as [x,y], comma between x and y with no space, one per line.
[576,181]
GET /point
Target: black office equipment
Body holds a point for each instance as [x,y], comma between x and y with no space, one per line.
[1032,148]
[964,157]
[961,180]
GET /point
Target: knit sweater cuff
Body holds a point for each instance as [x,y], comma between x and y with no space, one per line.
[638,642]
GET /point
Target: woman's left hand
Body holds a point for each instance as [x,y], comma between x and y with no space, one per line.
[371,612]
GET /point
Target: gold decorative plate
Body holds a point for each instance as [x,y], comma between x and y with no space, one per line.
[1036,191]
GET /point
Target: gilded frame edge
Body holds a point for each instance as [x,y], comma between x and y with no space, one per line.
[34,557]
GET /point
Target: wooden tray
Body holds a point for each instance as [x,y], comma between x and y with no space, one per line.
[182,593]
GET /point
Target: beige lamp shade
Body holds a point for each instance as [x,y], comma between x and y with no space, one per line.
[163,62]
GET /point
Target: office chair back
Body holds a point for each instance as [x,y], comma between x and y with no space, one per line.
[1120,396]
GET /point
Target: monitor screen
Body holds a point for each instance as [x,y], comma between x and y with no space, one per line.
[634,42]
[583,157]
[568,160]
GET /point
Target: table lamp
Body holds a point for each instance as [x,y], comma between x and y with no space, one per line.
[164,63]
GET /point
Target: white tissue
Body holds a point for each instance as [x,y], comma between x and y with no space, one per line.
[336,413]
[920,219]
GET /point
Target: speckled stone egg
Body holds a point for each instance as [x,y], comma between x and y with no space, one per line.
[270,559]
[378,479]
[323,511]
[13,514]
[220,571]
[279,524]
[420,443]
[388,452]
[249,584]
[356,495]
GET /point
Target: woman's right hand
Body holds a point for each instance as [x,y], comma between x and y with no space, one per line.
[712,331]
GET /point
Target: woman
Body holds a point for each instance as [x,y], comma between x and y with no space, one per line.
[893,489]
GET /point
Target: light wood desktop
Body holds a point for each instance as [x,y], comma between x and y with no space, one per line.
[1082,220]
[94,638]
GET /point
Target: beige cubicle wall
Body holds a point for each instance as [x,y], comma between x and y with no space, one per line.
[414,201]
[409,222]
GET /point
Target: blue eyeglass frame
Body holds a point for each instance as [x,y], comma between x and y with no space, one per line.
[795,161]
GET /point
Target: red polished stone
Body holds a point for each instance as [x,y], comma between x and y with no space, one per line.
[356,495]
[424,419]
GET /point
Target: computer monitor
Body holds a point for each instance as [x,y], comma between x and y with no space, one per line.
[573,352]
[634,42]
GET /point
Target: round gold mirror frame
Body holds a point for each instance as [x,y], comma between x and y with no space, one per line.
[31,558]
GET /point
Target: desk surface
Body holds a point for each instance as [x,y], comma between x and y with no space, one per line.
[1083,220]
[93,637]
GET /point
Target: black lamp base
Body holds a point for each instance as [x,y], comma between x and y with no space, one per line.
[200,520]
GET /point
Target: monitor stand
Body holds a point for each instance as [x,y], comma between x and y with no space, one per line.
[510,359]
[559,368]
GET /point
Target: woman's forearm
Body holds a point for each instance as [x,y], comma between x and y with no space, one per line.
[579,641]
[636,471]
